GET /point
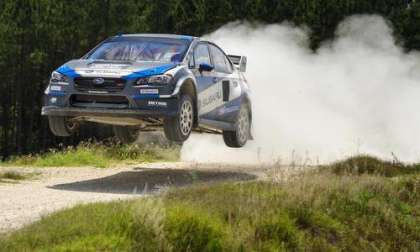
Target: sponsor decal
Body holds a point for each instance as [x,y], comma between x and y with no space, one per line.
[55,88]
[56,93]
[97,92]
[149,91]
[108,66]
[157,103]
[102,71]
[145,96]
[210,99]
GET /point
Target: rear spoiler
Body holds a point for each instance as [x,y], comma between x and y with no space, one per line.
[239,62]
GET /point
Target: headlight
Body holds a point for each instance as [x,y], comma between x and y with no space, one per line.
[156,79]
[58,78]
[160,79]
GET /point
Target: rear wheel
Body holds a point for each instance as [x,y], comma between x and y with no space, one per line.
[178,129]
[126,134]
[241,134]
[62,126]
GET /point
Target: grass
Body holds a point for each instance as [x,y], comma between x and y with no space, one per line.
[97,155]
[13,177]
[329,209]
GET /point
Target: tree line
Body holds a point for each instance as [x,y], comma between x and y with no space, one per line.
[37,36]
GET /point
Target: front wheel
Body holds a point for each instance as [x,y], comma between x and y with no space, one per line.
[61,126]
[178,129]
[241,134]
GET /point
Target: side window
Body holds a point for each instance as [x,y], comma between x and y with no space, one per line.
[191,60]
[221,63]
[229,65]
[201,55]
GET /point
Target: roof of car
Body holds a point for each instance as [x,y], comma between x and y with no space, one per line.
[158,35]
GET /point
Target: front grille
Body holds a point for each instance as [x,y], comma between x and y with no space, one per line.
[109,84]
[99,101]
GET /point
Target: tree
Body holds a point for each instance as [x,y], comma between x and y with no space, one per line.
[37,36]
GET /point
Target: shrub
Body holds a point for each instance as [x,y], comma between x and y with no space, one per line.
[191,230]
[370,165]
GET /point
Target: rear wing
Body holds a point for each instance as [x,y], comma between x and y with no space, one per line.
[239,62]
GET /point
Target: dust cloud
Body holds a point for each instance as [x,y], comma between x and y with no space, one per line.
[358,94]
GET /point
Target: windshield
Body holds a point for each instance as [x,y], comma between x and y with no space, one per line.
[141,49]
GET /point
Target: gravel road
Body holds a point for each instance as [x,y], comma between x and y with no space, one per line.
[58,188]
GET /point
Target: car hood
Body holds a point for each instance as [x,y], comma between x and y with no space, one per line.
[116,69]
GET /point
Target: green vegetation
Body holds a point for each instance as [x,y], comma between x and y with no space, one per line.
[370,165]
[97,155]
[12,176]
[318,210]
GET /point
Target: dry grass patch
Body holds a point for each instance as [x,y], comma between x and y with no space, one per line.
[320,210]
[14,177]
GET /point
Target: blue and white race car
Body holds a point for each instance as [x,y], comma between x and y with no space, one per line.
[144,81]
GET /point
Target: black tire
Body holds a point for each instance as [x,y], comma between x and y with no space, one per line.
[240,136]
[178,129]
[61,126]
[126,134]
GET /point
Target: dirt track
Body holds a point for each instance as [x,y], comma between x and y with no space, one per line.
[58,188]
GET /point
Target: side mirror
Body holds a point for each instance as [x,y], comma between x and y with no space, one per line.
[205,67]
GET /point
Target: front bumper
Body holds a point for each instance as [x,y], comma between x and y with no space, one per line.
[105,112]
[110,101]
[104,106]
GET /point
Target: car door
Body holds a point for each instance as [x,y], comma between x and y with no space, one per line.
[209,95]
[202,56]
[227,81]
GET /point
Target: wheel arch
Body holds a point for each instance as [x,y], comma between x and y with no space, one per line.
[188,86]
[247,101]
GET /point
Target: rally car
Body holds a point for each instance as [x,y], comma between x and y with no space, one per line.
[145,81]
